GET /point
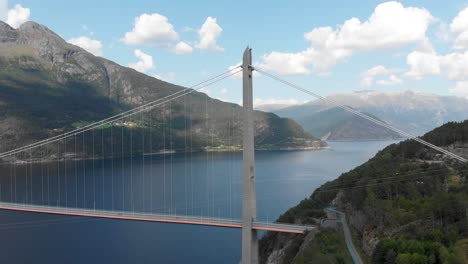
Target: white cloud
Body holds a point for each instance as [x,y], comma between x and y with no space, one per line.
[145,62]
[271,101]
[443,32]
[422,64]
[209,33]
[152,30]
[3,10]
[454,65]
[460,22]
[183,48]
[461,42]
[390,26]
[460,89]
[369,76]
[288,63]
[17,16]
[91,45]
[459,26]
[392,80]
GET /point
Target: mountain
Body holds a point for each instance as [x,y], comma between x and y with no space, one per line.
[271,107]
[412,111]
[48,86]
[408,204]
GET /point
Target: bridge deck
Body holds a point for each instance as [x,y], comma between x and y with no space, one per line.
[162,218]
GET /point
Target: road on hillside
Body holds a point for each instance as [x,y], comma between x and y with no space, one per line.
[348,238]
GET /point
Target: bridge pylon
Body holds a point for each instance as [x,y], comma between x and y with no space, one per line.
[249,199]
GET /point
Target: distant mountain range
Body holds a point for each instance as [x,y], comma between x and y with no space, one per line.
[412,111]
[48,86]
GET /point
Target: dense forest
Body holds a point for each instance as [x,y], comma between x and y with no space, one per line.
[408,204]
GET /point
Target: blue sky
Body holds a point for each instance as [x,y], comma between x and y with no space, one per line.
[420,45]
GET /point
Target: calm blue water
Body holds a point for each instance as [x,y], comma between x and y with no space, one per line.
[206,184]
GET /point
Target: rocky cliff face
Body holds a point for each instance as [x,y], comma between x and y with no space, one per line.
[48,86]
[68,63]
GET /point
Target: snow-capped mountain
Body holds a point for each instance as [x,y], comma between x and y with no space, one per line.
[412,111]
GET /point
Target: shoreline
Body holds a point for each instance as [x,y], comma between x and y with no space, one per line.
[367,140]
[164,152]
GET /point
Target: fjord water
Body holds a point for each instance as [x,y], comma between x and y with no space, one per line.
[202,184]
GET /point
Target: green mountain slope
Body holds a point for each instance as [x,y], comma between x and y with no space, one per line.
[408,204]
[48,87]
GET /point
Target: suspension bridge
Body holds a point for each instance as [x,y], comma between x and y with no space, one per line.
[91,171]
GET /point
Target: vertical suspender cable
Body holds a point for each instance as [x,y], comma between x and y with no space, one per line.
[123,168]
[164,156]
[76,174]
[112,163]
[66,173]
[84,171]
[132,208]
[103,160]
[143,127]
[151,159]
[94,170]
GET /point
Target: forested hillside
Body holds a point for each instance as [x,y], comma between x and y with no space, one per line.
[408,204]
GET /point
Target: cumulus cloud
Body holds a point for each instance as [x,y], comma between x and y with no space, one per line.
[390,26]
[208,34]
[145,62]
[91,45]
[454,65]
[17,16]
[289,63]
[392,80]
[369,76]
[459,27]
[422,64]
[183,48]
[152,30]
[460,89]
